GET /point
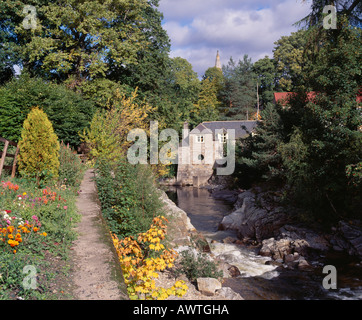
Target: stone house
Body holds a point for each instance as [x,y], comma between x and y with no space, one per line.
[202,149]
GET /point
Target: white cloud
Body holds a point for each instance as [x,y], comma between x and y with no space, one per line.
[198,28]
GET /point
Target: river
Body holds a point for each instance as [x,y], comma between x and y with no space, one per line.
[260,280]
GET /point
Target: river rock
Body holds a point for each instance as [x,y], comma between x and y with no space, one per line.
[208,286]
[180,226]
[304,265]
[253,221]
[228,270]
[234,271]
[277,249]
[348,237]
[228,294]
[304,239]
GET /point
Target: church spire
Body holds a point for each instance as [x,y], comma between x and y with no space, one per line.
[218,63]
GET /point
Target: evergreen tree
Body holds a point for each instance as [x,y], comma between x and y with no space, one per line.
[239,94]
[259,157]
[328,124]
[265,72]
[38,147]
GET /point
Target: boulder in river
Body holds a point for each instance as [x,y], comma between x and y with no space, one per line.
[208,286]
[252,221]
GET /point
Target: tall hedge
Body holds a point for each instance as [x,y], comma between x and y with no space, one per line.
[39,147]
[68,111]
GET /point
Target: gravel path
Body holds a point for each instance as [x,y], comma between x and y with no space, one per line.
[96,273]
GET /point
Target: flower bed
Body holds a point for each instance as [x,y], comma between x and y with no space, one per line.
[35,225]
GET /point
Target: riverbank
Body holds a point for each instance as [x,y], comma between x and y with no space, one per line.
[268,276]
[183,236]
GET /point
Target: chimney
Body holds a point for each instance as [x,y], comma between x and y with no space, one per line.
[186,125]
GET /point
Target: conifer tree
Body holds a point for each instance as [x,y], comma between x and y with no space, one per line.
[39,147]
[259,156]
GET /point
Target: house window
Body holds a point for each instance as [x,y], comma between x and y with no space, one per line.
[223,137]
[200,139]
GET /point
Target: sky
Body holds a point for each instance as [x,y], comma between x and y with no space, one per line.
[198,28]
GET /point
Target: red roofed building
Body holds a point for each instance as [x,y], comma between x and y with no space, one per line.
[283,97]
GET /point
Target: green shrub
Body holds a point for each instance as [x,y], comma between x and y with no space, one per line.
[197,266]
[128,197]
[71,168]
[38,147]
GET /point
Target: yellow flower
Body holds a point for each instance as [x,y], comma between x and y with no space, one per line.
[24,194]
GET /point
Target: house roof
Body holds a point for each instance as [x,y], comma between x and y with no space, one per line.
[211,127]
[283,97]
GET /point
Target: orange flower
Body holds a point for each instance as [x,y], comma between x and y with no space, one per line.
[13,243]
[10,229]
[35,229]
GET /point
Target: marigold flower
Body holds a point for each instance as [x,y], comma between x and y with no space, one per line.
[35,229]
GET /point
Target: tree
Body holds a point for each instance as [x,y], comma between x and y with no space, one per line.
[328,124]
[182,89]
[77,41]
[239,94]
[216,76]
[80,40]
[150,71]
[258,158]
[352,9]
[108,130]
[207,106]
[288,57]
[266,75]
[38,147]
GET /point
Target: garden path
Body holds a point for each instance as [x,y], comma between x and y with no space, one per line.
[96,273]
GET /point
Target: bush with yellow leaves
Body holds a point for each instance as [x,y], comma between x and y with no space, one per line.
[141,259]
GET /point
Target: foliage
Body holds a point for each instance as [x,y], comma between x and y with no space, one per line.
[197,266]
[140,264]
[71,169]
[77,41]
[68,111]
[265,71]
[351,8]
[258,157]
[239,94]
[328,123]
[107,135]
[288,57]
[38,147]
[128,197]
[207,106]
[313,144]
[182,89]
[41,225]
